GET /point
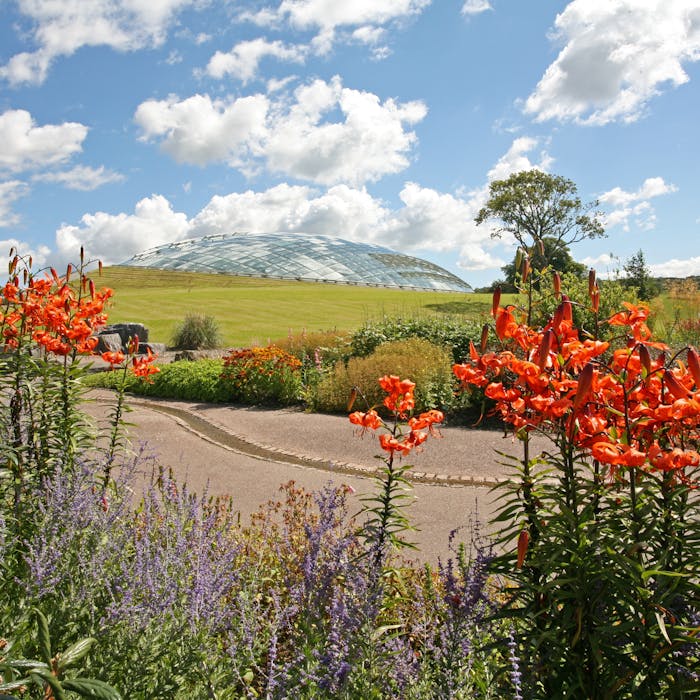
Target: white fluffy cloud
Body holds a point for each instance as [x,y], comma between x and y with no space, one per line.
[297,139]
[516,159]
[625,206]
[616,57]
[677,268]
[200,130]
[306,14]
[10,191]
[113,238]
[341,210]
[61,28]
[475,7]
[81,177]
[327,17]
[39,253]
[369,142]
[425,220]
[25,146]
[243,60]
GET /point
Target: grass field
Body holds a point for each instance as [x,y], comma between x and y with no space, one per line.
[252,311]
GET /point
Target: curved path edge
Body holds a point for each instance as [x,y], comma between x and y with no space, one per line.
[221,436]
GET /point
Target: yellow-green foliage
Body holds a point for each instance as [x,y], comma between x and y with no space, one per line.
[428,365]
[318,345]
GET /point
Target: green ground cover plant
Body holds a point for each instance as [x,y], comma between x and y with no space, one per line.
[198,380]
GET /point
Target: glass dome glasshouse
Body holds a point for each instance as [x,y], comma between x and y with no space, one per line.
[300,256]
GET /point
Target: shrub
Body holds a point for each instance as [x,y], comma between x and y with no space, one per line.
[321,348]
[266,375]
[427,364]
[451,332]
[191,381]
[197,332]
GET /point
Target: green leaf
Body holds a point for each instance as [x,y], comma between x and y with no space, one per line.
[74,653]
[657,572]
[91,688]
[662,626]
[12,685]
[45,677]
[25,663]
[43,634]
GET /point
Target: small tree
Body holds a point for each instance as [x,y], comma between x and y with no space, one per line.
[540,211]
[638,276]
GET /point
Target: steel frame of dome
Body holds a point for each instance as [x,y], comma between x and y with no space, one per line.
[300,256]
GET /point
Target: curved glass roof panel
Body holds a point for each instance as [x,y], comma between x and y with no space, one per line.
[300,256]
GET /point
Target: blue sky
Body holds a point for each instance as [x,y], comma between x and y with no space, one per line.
[126,124]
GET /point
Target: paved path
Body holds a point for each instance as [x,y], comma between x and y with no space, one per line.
[249,453]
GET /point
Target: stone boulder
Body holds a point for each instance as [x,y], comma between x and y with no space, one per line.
[123,332]
[155,348]
[127,331]
[109,342]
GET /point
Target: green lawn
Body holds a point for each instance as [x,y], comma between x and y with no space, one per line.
[252,311]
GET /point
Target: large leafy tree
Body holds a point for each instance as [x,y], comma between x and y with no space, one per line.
[541,211]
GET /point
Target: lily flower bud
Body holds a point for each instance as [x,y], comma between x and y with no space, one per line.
[484,337]
[568,310]
[556,281]
[523,542]
[545,347]
[694,366]
[351,399]
[496,301]
[525,272]
[558,316]
[585,382]
[591,281]
[645,358]
[674,387]
[519,258]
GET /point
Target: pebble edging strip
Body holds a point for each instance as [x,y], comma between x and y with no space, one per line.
[221,436]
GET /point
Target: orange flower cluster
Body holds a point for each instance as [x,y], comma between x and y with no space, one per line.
[625,409]
[140,366]
[238,364]
[51,313]
[143,366]
[400,401]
